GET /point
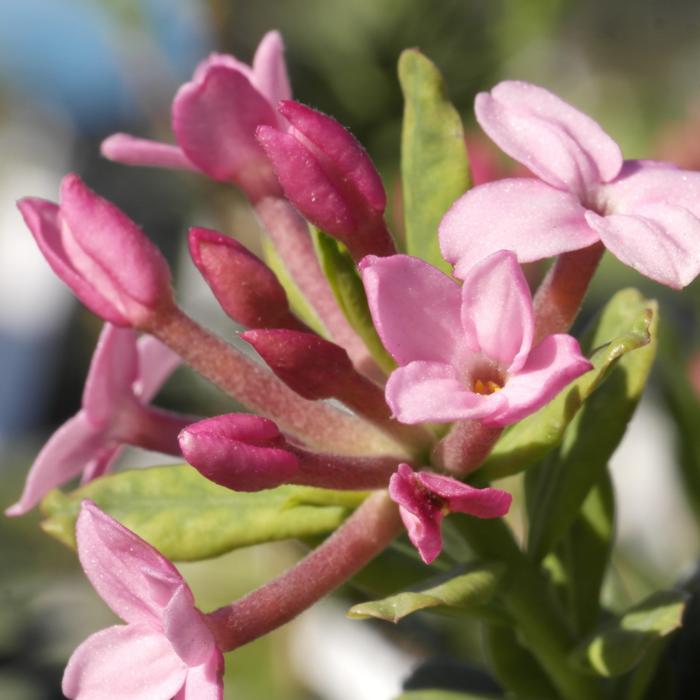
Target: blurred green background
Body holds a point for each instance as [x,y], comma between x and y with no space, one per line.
[74,71]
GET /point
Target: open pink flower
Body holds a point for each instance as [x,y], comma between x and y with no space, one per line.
[646,213]
[425,498]
[465,353]
[214,118]
[165,651]
[125,374]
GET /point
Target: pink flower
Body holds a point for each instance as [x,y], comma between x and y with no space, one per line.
[214,118]
[101,254]
[646,213]
[465,353]
[165,650]
[124,376]
[425,498]
[329,178]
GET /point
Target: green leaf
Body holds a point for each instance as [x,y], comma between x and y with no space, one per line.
[622,326]
[297,301]
[434,164]
[444,695]
[558,486]
[468,590]
[340,269]
[584,553]
[619,645]
[188,517]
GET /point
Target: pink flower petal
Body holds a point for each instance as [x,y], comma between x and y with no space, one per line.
[221,59]
[555,362]
[551,138]
[137,271]
[520,214]
[424,392]
[497,316]
[415,308]
[424,533]
[269,69]
[113,370]
[186,630]
[132,150]
[156,363]
[101,462]
[124,661]
[44,221]
[215,119]
[204,682]
[121,567]
[62,458]
[462,498]
[660,241]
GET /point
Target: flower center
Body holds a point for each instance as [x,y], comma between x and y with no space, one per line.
[485,386]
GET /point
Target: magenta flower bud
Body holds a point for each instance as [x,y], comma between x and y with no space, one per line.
[240,451]
[101,254]
[248,291]
[329,177]
[425,498]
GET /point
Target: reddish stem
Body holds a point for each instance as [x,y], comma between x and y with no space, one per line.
[559,297]
[465,447]
[368,531]
[153,428]
[313,422]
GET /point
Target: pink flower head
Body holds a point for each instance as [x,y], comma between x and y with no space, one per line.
[329,178]
[245,287]
[125,374]
[165,650]
[214,118]
[425,498]
[101,254]
[646,213]
[465,353]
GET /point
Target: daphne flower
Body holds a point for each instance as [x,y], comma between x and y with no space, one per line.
[165,650]
[465,353]
[425,498]
[214,118]
[646,213]
[125,374]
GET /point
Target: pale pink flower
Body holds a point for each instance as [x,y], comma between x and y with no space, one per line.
[425,498]
[646,213]
[100,253]
[166,650]
[125,374]
[214,118]
[465,353]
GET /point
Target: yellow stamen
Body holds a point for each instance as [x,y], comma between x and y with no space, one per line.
[487,387]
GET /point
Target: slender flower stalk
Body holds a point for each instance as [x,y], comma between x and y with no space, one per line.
[248,453]
[366,533]
[314,423]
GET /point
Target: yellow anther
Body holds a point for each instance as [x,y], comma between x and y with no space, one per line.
[488,387]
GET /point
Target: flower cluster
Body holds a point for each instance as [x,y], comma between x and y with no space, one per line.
[469,348]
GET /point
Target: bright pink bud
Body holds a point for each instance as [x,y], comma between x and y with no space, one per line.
[101,254]
[240,451]
[329,177]
[244,452]
[246,288]
[425,498]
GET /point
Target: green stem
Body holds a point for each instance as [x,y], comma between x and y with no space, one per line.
[527,597]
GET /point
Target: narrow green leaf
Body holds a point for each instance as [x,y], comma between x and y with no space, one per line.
[558,486]
[349,291]
[297,301]
[188,517]
[620,644]
[434,164]
[622,326]
[584,553]
[468,590]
